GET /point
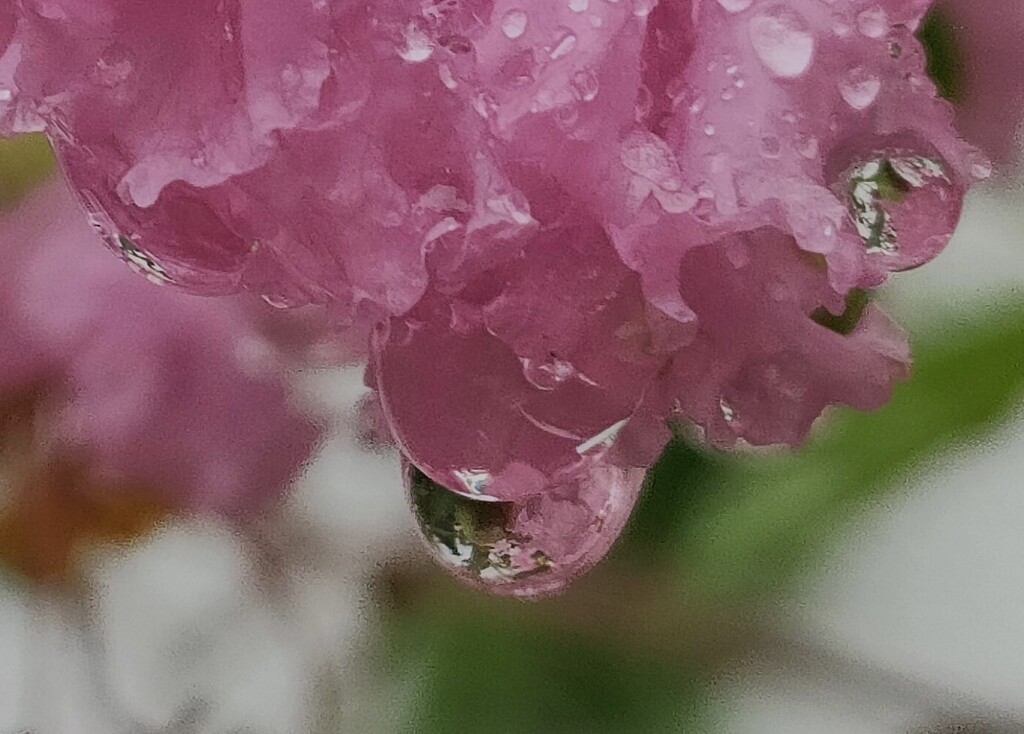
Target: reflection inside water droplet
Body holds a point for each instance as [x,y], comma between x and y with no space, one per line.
[140,260]
[529,548]
[904,206]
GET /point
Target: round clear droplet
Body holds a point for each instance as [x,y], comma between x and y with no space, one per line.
[905,206]
[530,548]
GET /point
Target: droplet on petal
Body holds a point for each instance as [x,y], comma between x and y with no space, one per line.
[904,206]
[735,6]
[860,88]
[782,40]
[513,24]
[531,548]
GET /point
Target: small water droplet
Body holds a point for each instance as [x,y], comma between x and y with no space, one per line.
[643,8]
[873,23]
[585,83]
[782,40]
[859,88]
[807,146]
[444,72]
[418,45]
[735,6]
[728,413]
[140,260]
[115,67]
[547,374]
[513,23]
[980,166]
[564,44]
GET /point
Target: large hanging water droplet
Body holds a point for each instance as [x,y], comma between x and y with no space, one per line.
[904,206]
[531,548]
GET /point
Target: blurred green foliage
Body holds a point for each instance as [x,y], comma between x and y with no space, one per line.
[938,35]
[770,516]
[502,672]
[25,162]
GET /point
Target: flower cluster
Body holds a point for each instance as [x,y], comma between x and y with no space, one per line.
[559,223]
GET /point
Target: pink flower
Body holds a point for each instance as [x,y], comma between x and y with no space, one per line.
[562,222]
[130,395]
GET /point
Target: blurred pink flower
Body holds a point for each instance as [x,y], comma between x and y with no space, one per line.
[986,40]
[132,395]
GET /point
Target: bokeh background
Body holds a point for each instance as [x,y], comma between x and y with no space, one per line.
[871,583]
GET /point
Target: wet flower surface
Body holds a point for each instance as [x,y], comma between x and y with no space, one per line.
[558,225]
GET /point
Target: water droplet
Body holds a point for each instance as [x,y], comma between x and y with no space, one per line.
[643,8]
[873,23]
[115,67]
[807,146]
[728,413]
[140,260]
[565,43]
[782,40]
[859,87]
[647,155]
[547,374]
[136,257]
[530,548]
[485,104]
[513,24]
[735,6]
[904,206]
[980,166]
[444,72]
[418,45]
[585,83]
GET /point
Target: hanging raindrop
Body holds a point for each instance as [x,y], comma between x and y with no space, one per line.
[903,205]
[532,548]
